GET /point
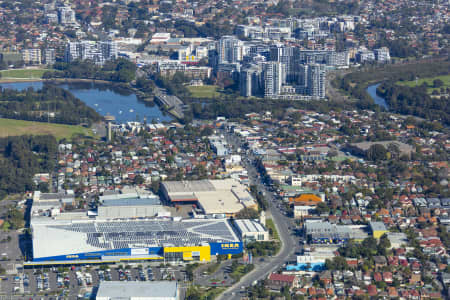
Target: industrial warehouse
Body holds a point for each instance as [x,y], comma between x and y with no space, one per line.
[108,241]
[133,224]
[318,232]
[326,233]
[214,197]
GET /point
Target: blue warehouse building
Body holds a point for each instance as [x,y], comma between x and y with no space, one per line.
[108,241]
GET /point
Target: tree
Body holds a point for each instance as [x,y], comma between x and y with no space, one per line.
[145,84]
[15,218]
[384,242]
[437,83]
[207,131]
[125,70]
[337,263]
[43,187]
[329,265]
[247,213]
[193,293]
[322,208]
[376,152]
[394,150]
[138,179]
[155,186]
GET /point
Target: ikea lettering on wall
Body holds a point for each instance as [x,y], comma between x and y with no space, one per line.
[230,246]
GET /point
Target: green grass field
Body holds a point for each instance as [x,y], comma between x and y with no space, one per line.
[205,91]
[271,226]
[428,81]
[10,127]
[23,73]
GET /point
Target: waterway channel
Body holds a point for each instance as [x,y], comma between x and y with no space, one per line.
[372,90]
[122,104]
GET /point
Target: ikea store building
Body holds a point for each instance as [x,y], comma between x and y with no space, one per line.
[108,241]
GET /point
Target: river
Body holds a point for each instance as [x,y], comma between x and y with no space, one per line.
[123,105]
[372,90]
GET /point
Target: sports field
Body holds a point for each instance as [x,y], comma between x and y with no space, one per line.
[10,127]
[429,81]
[204,91]
[23,73]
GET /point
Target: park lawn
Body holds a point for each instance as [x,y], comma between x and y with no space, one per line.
[429,81]
[212,292]
[23,73]
[240,271]
[202,292]
[213,268]
[11,127]
[204,91]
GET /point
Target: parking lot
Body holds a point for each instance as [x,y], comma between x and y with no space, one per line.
[80,282]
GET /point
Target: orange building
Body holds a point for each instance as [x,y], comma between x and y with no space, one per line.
[305,199]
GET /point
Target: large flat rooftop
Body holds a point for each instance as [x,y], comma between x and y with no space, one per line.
[227,196]
[137,290]
[63,237]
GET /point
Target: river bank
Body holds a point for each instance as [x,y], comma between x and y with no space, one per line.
[372,91]
[116,86]
[13,80]
[107,99]
[142,96]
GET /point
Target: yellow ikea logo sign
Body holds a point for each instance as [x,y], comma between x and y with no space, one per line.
[230,246]
[72,256]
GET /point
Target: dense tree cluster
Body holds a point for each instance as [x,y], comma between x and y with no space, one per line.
[416,101]
[13,219]
[145,85]
[21,158]
[209,29]
[119,70]
[337,263]
[247,213]
[51,103]
[174,84]
[263,248]
[368,248]
[260,199]
[376,152]
[400,99]
[237,108]
[109,17]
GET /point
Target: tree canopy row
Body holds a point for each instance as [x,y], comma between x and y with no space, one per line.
[50,104]
[23,156]
[119,70]
[401,99]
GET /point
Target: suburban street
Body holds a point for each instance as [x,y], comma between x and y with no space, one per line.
[289,242]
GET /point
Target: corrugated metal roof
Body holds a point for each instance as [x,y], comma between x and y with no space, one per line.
[132,201]
[129,290]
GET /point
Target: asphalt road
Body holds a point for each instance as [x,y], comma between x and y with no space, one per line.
[219,278]
[283,224]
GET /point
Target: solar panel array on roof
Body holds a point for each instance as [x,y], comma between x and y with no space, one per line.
[126,234]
